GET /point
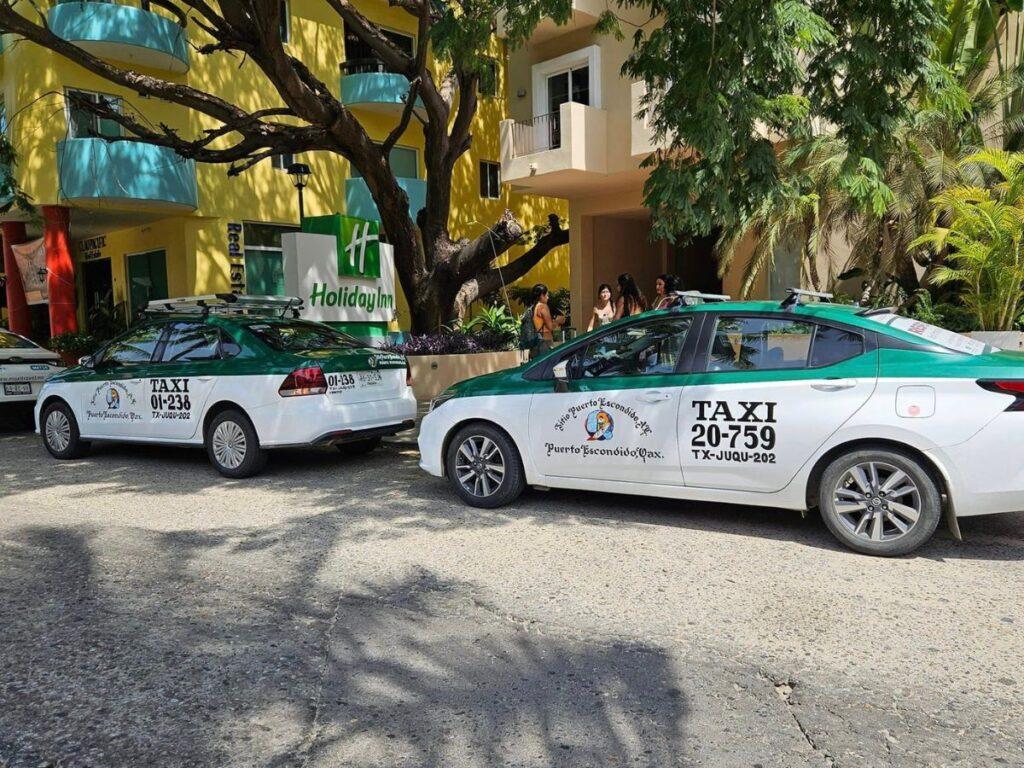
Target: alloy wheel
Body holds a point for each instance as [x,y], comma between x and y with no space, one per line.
[229,444]
[58,431]
[479,466]
[877,501]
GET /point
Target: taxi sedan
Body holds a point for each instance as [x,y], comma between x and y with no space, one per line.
[238,384]
[24,366]
[881,422]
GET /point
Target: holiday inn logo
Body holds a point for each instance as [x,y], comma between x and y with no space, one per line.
[358,243]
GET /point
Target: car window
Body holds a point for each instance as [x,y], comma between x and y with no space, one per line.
[192,342]
[135,347]
[635,350]
[301,337]
[759,344]
[834,345]
[10,340]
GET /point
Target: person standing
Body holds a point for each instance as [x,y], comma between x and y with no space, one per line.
[665,288]
[542,323]
[631,300]
[604,310]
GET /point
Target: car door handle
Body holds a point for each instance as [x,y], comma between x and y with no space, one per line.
[135,381]
[205,378]
[834,385]
[655,396]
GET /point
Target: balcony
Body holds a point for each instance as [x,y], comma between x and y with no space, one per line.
[582,14]
[368,84]
[122,33]
[126,174]
[359,202]
[558,154]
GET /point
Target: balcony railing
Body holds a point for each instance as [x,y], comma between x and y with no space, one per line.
[363,67]
[538,135]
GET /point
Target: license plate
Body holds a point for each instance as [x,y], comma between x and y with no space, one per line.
[18,388]
[370,378]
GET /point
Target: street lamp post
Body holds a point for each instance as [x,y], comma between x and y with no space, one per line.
[300,174]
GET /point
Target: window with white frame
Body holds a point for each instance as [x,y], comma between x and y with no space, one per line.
[490,180]
[83,123]
[264,258]
[282,161]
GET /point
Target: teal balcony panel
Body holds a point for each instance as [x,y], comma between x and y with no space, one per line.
[122,33]
[359,202]
[142,175]
[382,91]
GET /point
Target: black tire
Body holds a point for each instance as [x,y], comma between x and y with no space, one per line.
[494,488]
[232,445]
[903,494]
[59,429]
[358,447]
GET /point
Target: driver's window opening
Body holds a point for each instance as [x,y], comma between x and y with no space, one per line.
[637,350]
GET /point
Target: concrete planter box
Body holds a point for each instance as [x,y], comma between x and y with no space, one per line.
[433,373]
[1011,341]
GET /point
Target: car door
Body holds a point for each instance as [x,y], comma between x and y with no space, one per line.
[112,399]
[772,389]
[180,380]
[616,418]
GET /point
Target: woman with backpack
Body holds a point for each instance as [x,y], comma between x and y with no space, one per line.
[537,327]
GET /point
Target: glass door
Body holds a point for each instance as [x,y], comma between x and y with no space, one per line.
[570,85]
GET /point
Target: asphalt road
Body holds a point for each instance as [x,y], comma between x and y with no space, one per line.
[349,612]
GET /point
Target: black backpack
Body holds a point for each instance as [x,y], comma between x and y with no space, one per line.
[528,336]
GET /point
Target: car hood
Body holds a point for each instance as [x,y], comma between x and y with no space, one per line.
[27,355]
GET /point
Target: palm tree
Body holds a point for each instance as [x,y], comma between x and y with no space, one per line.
[971,98]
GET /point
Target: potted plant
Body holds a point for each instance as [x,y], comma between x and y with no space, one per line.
[74,345]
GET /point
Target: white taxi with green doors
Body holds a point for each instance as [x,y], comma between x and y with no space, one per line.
[24,366]
[237,374]
[881,422]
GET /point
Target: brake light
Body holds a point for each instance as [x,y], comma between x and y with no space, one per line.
[304,381]
[408,375]
[1015,388]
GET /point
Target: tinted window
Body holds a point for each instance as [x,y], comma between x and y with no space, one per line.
[192,342]
[636,350]
[299,337]
[135,347]
[833,345]
[759,344]
[10,340]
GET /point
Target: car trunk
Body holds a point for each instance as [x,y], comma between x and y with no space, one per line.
[358,375]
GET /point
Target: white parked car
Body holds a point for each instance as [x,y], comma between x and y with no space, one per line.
[882,422]
[237,375]
[24,366]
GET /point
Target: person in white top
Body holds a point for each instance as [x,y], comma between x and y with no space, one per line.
[604,310]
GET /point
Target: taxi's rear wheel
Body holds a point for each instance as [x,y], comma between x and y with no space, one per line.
[880,502]
[484,466]
[60,432]
[232,445]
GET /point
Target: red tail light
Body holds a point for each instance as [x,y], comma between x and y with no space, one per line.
[408,375]
[304,381]
[1015,388]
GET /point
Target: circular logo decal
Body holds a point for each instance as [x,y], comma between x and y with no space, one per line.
[113,399]
[372,361]
[599,425]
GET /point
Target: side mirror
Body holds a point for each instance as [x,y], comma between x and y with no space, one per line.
[561,374]
[88,361]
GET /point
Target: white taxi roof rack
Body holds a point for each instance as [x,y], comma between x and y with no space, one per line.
[227,303]
[796,296]
[693,298]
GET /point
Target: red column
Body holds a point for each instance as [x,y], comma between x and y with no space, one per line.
[17,309]
[60,281]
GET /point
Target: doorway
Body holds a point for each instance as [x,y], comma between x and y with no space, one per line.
[696,265]
[147,279]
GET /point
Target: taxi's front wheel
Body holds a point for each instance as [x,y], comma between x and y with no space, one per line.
[60,432]
[232,445]
[484,467]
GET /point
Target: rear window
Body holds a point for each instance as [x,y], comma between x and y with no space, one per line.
[932,334]
[302,337]
[10,340]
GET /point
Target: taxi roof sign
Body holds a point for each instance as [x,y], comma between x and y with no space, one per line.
[227,303]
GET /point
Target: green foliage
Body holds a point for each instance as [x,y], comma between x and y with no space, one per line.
[74,345]
[11,194]
[984,241]
[495,322]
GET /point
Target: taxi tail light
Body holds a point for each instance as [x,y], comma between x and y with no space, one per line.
[1012,387]
[308,380]
[408,375]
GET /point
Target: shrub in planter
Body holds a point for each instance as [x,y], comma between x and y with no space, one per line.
[72,346]
[453,343]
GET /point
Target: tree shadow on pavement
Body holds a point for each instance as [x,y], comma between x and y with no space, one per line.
[158,655]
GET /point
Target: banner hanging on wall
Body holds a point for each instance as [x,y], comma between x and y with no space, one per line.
[343,276]
[31,260]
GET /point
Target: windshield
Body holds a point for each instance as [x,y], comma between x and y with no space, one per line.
[302,337]
[10,340]
[954,342]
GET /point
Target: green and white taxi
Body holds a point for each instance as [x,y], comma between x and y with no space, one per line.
[24,366]
[881,422]
[237,374]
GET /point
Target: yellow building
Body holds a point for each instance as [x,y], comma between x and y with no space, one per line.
[144,224]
